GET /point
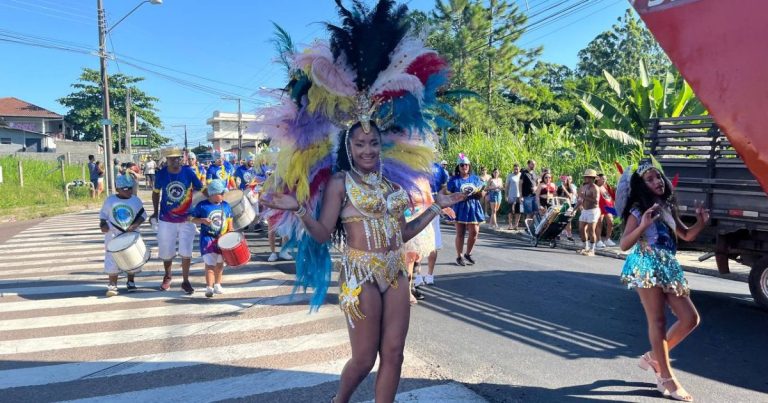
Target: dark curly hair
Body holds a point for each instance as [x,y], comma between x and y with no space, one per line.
[641,198]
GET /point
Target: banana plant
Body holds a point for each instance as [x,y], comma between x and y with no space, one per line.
[624,113]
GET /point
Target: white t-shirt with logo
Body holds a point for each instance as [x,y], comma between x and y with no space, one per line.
[121,213]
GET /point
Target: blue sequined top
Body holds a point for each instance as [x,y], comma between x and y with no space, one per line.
[658,235]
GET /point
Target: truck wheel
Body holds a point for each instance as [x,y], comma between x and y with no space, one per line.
[758,282]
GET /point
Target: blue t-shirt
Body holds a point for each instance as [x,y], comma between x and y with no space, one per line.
[221,223]
[176,193]
[93,172]
[455,184]
[439,177]
[224,172]
[246,174]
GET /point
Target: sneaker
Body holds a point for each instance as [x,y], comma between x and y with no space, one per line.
[460,261]
[218,289]
[429,279]
[187,287]
[418,281]
[609,242]
[272,257]
[112,290]
[600,245]
[417,294]
[209,292]
[469,259]
[570,238]
[284,255]
[131,286]
[166,284]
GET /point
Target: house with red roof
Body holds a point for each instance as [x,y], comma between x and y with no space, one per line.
[28,127]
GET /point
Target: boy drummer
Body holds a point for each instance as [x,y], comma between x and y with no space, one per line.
[215,219]
[121,212]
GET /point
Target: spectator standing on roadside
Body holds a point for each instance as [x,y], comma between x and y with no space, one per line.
[149,173]
[514,197]
[469,212]
[607,212]
[528,182]
[93,175]
[568,190]
[485,178]
[495,187]
[588,201]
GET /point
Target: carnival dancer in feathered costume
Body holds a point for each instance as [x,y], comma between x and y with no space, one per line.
[354,136]
[645,200]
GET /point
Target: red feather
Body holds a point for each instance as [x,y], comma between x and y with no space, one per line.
[675,179]
[426,65]
[619,167]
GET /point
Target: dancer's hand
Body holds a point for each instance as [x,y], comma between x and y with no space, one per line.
[446,200]
[650,215]
[702,213]
[279,201]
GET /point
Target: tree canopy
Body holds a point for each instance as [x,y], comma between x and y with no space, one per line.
[85,108]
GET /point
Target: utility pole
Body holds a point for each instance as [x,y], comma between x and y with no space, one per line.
[185,135]
[128,102]
[107,131]
[239,132]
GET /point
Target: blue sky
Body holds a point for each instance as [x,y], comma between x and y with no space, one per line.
[224,40]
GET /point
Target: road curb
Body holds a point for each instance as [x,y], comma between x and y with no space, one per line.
[614,253]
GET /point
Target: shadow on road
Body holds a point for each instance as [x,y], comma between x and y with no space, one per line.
[584,315]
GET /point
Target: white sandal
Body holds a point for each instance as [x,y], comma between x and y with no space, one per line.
[679,394]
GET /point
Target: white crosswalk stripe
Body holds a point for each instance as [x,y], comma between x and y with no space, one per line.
[61,339]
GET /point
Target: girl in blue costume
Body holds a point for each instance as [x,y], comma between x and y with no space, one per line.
[469,213]
[651,227]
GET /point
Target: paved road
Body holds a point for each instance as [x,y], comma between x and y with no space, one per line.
[62,339]
[547,325]
[524,324]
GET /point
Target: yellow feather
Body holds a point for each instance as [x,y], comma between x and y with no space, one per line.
[294,165]
[415,156]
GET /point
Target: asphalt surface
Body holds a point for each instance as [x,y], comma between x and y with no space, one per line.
[544,325]
[522,325]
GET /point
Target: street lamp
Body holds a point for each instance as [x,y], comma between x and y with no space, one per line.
[105,121]
[239,128]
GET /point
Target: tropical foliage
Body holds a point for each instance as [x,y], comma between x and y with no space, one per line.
[85,108]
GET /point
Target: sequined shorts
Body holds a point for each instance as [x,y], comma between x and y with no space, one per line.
[650,266]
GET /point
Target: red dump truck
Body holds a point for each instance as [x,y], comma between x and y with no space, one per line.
[709,169]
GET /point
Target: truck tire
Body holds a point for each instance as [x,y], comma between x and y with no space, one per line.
[758,282]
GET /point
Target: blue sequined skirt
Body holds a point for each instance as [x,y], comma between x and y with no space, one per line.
[652,266]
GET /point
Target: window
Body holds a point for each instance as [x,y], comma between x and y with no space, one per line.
[5,140]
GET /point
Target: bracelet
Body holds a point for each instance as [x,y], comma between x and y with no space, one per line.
[300,212]
[435,208]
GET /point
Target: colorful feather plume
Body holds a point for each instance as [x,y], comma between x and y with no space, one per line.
[371,59]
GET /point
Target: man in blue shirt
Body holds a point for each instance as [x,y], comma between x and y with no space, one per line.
[93,174]
[245,174]
[173,195]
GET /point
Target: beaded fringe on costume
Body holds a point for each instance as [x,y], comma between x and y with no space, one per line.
[651,266]
[359,266]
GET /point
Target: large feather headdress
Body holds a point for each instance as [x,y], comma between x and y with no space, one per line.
[373,68]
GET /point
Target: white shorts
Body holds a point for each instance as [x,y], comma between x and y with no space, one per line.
[590,216]
[438,236]
[168,233]
[212,259]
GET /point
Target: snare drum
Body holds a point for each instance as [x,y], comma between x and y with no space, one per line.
[129,252]
[243,212]
[234,249]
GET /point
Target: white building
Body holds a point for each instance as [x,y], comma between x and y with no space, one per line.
[224,130]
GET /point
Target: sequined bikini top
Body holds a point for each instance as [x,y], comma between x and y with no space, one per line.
[380,216]
[370,202]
